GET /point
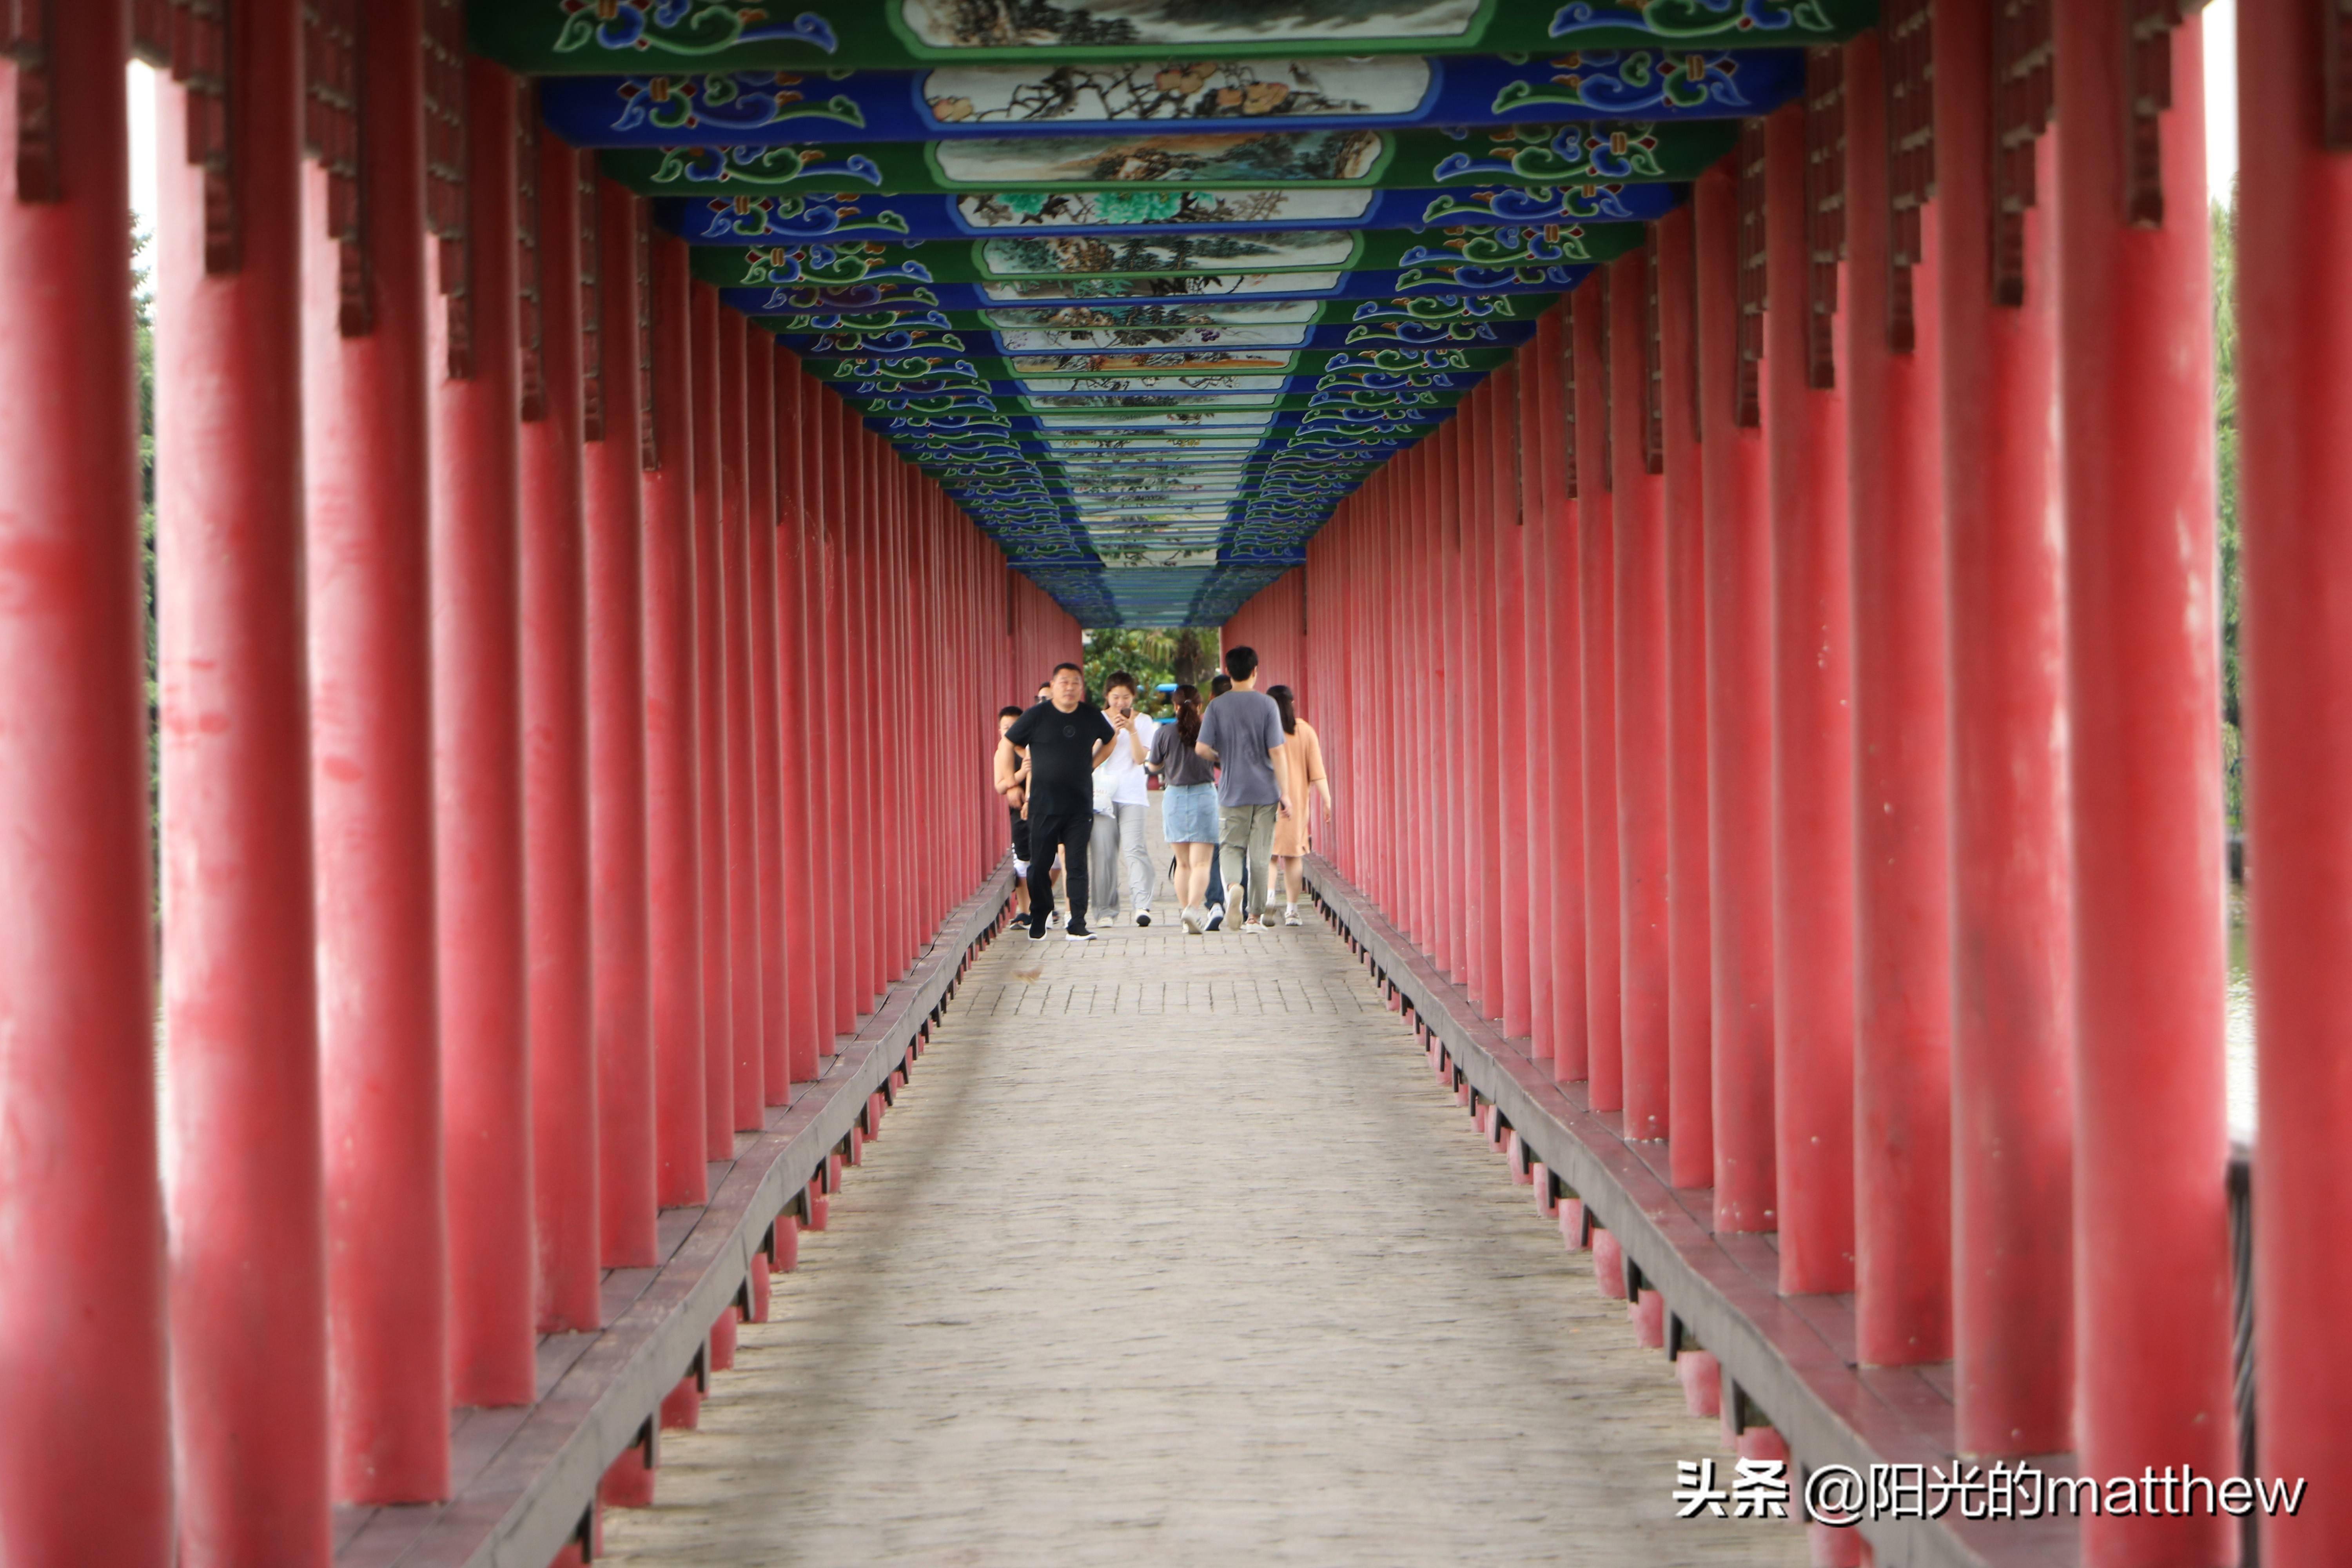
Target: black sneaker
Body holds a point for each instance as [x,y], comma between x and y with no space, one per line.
[1077,932]
[1143,917]
[1037,932]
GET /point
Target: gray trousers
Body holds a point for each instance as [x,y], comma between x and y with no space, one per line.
[1120,851]
[1249,829]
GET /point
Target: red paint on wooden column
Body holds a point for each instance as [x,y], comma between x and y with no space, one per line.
[710,726]
[1485,609]
[2294,202]
[1596,582]
[478,772]
[1738,728]
[247,1216]
[366,457]
[1434,551]
[1512,681]
[617,820]
[839,752]
[1538,688]
[1903,1024]
[2013,1022]
[1564,664]
[760,424]
[84,1429]
[1812,750]
[740,845]
[1461,889]
[557,767]
[1690,1035]
[820,489]
[857,647]
[2144,727]
[673,796]
[1638,572]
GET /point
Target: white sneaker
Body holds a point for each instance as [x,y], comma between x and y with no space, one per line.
[1194,919]
[1108,918]
[1290,915]
[1143,917]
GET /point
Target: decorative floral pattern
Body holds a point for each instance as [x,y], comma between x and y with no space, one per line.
[683,28]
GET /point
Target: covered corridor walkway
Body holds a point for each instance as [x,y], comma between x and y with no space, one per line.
[1175,1254]
[500,633]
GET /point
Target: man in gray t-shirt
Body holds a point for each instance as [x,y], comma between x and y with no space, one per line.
[1239,733]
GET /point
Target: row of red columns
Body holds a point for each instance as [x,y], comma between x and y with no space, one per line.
[509,728]
[1871,727]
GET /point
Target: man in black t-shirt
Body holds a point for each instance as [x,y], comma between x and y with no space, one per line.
[1064,736]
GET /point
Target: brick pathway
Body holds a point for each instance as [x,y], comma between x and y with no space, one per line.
[1174,1254]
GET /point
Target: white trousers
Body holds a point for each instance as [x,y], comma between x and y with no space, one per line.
[1120,853]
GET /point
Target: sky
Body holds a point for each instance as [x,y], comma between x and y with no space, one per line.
[2220,115]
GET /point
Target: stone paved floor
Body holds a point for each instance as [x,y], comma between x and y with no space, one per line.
[1174,1255]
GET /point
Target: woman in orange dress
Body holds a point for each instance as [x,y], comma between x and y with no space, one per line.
[1299,763]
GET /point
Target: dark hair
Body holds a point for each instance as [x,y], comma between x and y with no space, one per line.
[1220,684]
[1286,702]
[1065,664]
[1118,677]
[1241,663]
[1008,711]
[1188,713]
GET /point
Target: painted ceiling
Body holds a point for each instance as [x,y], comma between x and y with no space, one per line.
[1149,285]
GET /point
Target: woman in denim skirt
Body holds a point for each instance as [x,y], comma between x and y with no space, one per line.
[1187,805]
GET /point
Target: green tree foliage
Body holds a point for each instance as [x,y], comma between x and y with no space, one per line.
[1152,655]
[2225,453]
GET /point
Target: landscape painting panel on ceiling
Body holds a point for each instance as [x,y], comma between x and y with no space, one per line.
[1373,92]
[731,219]
[1205,362]
[602,37]
[1576,153]
[1434,316]
[1231,158]
[1478,281]
[1288,249]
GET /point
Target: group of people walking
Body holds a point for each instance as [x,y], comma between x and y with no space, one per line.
[1238,775]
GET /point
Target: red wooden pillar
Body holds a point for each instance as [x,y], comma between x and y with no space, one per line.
[710,725]
[1485,611]
[612,460]
[1728,216]
[868,646]
[1690,1035]
[738,855]
[1512,682]
[775,1011]
[365,461]
[1638,569]
[820,492]
[1539,685]
[839,755]
[85,1424]
[1596,579]
[2143,728]
[2012,1022]
[673,796]
[556,761]
[2294,192]
[1902,1061]
[1564,661]
[1458,937]
[1813,739]
[249,1291]
[477,770]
